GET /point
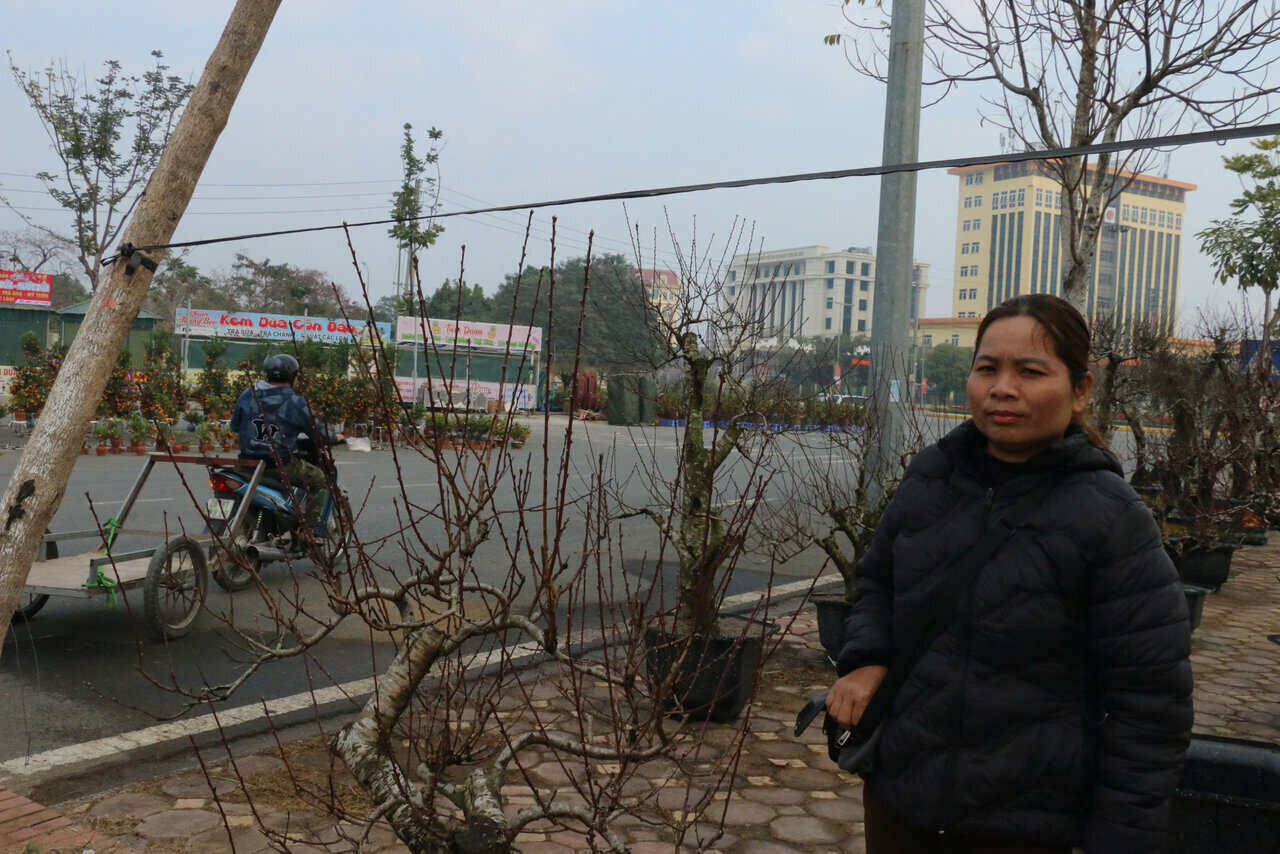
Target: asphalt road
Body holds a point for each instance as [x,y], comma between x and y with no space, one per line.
[81,670]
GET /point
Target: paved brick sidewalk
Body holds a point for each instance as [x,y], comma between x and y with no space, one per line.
[798,804]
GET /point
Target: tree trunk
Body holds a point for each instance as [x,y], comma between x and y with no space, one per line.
[40,478]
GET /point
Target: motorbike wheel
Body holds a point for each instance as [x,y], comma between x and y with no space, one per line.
[29,604]
[230,571]
[175,587]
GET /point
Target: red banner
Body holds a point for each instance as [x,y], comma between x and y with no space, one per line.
[18,287]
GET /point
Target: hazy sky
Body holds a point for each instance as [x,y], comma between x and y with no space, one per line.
[537,101]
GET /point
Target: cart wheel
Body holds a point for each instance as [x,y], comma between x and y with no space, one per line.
[29,604]
[229,571]
[175,587]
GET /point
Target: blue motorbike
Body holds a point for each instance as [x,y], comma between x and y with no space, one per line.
[251,534]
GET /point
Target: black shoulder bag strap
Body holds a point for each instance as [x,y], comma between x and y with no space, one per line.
[936,616]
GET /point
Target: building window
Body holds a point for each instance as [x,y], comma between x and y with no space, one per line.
[955,340]
[978,180]
[964,272]
[1162,219]
[968,179]
[973,293]
[862,326]
[864,285]
[968,201]
[830,303]
[848,268]
[831,266]
[966,225]
[733,274]
[848,285]
[1142,216]
[862,305]
[926,341]
[1022,197]
[977,201]
[964,248]
[731,290]
[827,325]
[831,283]
[1177,220]
[1039,195]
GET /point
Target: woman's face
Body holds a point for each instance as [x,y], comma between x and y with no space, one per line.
[1020,392]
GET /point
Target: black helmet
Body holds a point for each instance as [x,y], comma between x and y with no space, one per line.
[280,368]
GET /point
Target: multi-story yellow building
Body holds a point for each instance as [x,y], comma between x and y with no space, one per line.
[1009,242]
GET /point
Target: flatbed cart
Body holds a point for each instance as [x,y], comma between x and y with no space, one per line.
[174,577]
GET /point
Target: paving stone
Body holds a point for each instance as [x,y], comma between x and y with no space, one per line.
[743,812]
[836,810]
[806,778]
[196,786]
[244,840]
[803,830]
[251,766]
[129,805]
[173,823]
[775,796]
[764,846]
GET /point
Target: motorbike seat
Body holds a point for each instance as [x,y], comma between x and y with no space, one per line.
[270,477]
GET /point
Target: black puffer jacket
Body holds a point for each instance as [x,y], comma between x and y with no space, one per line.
[1056,707]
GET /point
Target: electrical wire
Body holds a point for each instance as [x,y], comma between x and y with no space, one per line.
[1167,140]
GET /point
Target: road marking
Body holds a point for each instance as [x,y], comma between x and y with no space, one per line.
[98,503]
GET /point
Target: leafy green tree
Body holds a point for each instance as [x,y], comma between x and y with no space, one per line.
[108,138]
[457,300]
[179,283]
[285,289]
[616,332]
[946,366]
[1246,246]
[407,209]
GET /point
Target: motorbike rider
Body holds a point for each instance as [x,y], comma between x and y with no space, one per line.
[268,418]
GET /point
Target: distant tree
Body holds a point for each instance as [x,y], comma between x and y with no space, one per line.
[457,300]
[410,230]
[285,289]
[108,138]
[1065,73]
[946,366]
[66,290]
[1246,246]
[35,251]
[616,330]
[178,283]
[387,308]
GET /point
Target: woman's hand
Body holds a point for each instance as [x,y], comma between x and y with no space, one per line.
[848,698]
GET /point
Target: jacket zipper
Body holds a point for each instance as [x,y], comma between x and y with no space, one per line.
[966,627]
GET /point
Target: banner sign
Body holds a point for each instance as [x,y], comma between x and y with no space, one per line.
[271,327]
[452,333]
[7,373]
[18,287]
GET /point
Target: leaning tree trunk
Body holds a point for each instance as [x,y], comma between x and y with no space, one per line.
[37,484]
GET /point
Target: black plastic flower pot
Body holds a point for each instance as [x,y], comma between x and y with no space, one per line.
[1195,602]
[714,676]
[1202,566]
[832,613]
[1229,797]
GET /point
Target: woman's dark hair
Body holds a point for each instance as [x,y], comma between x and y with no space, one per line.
[1066,329]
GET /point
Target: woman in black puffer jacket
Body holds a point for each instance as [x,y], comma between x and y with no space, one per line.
[1055,709]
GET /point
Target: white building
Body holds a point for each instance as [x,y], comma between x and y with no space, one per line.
[812,291]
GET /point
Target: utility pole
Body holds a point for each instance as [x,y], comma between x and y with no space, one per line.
[38,482]
[895,237]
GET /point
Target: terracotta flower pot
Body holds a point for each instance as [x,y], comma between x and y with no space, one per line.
[102,450]
[205,447]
